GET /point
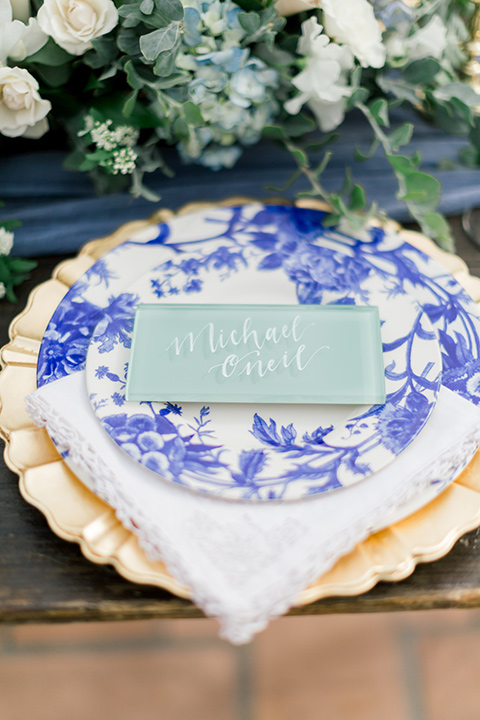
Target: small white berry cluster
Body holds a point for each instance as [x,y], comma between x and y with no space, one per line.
[119,141]
[6,243]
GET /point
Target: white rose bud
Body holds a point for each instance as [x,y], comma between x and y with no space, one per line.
[73,24]
[22,110]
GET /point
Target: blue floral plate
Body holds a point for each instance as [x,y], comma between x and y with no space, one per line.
[279,452]
[273,230]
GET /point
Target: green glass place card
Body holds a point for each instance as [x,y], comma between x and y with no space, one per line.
[256,353]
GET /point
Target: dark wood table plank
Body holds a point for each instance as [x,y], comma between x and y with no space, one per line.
[45,579]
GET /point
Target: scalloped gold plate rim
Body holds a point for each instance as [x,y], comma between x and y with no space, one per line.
[77,515]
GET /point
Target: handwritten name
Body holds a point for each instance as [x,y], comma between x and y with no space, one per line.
[251,362]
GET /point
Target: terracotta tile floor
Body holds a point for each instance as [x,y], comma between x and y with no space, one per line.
[413,666]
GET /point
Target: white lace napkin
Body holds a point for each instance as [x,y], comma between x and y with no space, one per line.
[246,563]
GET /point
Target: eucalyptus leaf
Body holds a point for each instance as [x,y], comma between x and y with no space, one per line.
[128,41]
[147,7]
[379,110]
[129,106]
[359,96]
[181,129]
[158,41]
[399,88]
[250,22]
[300,157]
[421,72]
[299,125]
[458,90]
[192,114]
[403,165]
[401,135]
[133,78]
[165,67]
[274,132]
[358,199]
[171,9]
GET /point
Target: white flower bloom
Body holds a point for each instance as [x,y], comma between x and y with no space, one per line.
[2,290]
[22,110]
[323,82]
[429,41]
[17,40]
[6,241]
[353,23]
[73,24]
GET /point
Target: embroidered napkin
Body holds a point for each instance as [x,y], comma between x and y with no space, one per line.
[245,563]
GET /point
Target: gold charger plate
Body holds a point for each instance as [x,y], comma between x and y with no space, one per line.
[76,514]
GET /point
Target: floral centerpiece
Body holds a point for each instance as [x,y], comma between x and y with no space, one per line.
[124,78]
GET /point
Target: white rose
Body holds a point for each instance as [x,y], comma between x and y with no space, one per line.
[73,24]
[323,82]
[22,110]
[353,23]
[17,40]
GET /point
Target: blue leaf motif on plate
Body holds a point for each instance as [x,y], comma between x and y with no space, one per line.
[116,324]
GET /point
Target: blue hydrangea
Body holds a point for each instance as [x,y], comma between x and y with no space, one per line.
[233,89]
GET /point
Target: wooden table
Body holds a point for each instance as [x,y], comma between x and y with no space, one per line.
[46,579]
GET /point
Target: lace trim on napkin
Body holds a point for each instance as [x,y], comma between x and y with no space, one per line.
[236,551]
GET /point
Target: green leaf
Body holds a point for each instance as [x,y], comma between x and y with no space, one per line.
[50,54]
[422,190]
[274,132]
[129,106]
[20,265]
[158,41]
[128,41]
[192,114]
[10,224]
[133,78]
[437,224]
[171,9]
[403,165]
[181,129]
[317,147]
[93,83]
[358,200]
[360,96]
[379,110]
[250,22]
[74,160]
[401,135]
[147,7]
[458,90]
[54,76]
[299,125]
[399,88]
[300,157]
[421,72]
[165,67]
[106,48]
[361,156]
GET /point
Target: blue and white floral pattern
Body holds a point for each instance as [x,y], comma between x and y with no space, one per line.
[273,232]
[263,457]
